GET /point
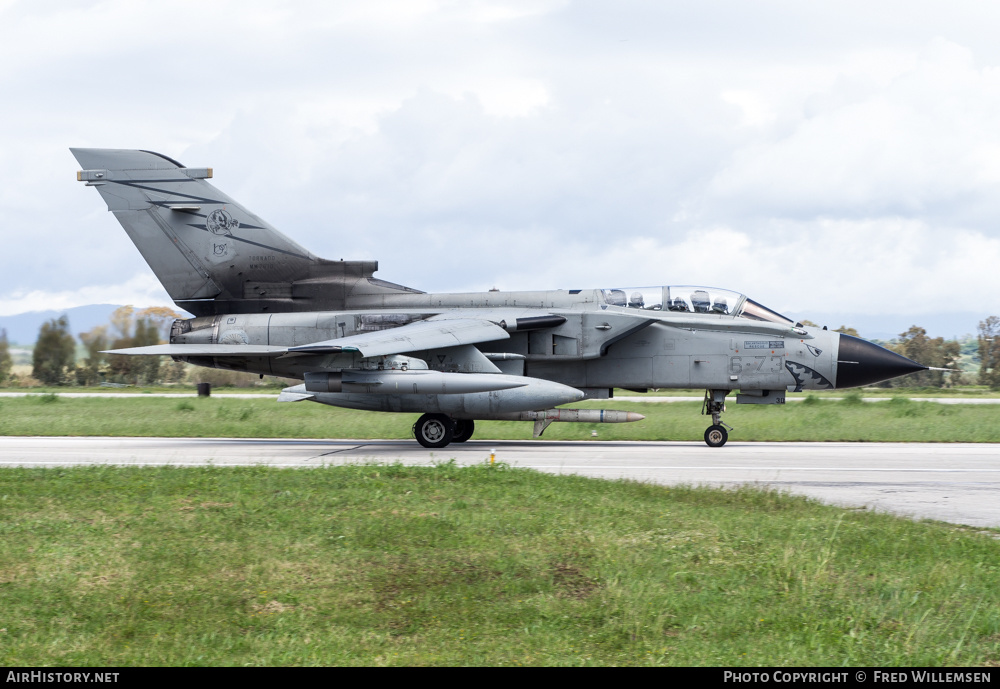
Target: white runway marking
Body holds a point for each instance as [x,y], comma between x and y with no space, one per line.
[956,482]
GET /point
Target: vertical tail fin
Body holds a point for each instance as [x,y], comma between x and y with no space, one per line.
[210,253]
[199,242]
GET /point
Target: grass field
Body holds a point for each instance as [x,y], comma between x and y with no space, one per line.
[372,565]
[814,419]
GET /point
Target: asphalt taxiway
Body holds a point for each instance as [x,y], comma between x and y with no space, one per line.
[955,482]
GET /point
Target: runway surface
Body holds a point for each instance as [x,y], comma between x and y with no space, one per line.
[950,482]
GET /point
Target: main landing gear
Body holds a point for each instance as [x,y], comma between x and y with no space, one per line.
[438,430]
[715,403]
[464,428]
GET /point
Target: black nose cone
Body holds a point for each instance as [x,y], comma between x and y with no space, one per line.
[860,362]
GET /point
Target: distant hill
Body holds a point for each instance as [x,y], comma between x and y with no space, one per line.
[23,328]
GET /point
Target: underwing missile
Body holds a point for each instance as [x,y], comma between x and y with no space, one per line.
[574,416]
[542,419]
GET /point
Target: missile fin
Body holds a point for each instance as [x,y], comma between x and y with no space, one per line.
[540,426]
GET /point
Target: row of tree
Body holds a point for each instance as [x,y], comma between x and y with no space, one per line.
[128,328]
[54,360]
[6,361]
[937,352]
[989,352]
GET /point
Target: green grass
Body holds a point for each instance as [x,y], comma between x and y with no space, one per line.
[387,565]
[815,419]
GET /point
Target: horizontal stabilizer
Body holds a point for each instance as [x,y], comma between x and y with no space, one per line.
[200,350]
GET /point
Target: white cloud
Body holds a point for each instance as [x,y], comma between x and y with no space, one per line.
[140,290]
[512,9]
[754,107]
[923,144]
[810,155]
[511,97]
[893,266]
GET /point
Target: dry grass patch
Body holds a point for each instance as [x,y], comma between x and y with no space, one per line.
[571,582]
[272,607]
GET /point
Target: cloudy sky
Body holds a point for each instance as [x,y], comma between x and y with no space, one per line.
[834,160]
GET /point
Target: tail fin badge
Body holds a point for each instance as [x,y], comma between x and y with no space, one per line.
[221,222]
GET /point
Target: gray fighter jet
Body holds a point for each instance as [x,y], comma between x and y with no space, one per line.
[264,304]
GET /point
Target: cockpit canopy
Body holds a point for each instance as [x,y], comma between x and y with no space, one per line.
[691,299]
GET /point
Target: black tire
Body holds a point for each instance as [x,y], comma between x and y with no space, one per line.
[434,430]
[716,436]
[464,428]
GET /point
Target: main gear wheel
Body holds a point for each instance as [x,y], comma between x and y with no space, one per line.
[434,431]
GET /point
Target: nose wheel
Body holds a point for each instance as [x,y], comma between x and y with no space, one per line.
[434,431]
[716,435]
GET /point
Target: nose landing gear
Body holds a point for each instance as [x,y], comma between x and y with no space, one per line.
[716,435]
[715,403]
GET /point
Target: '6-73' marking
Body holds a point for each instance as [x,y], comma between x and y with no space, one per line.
[755,364]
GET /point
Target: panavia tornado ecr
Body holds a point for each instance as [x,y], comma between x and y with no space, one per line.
[264,304]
